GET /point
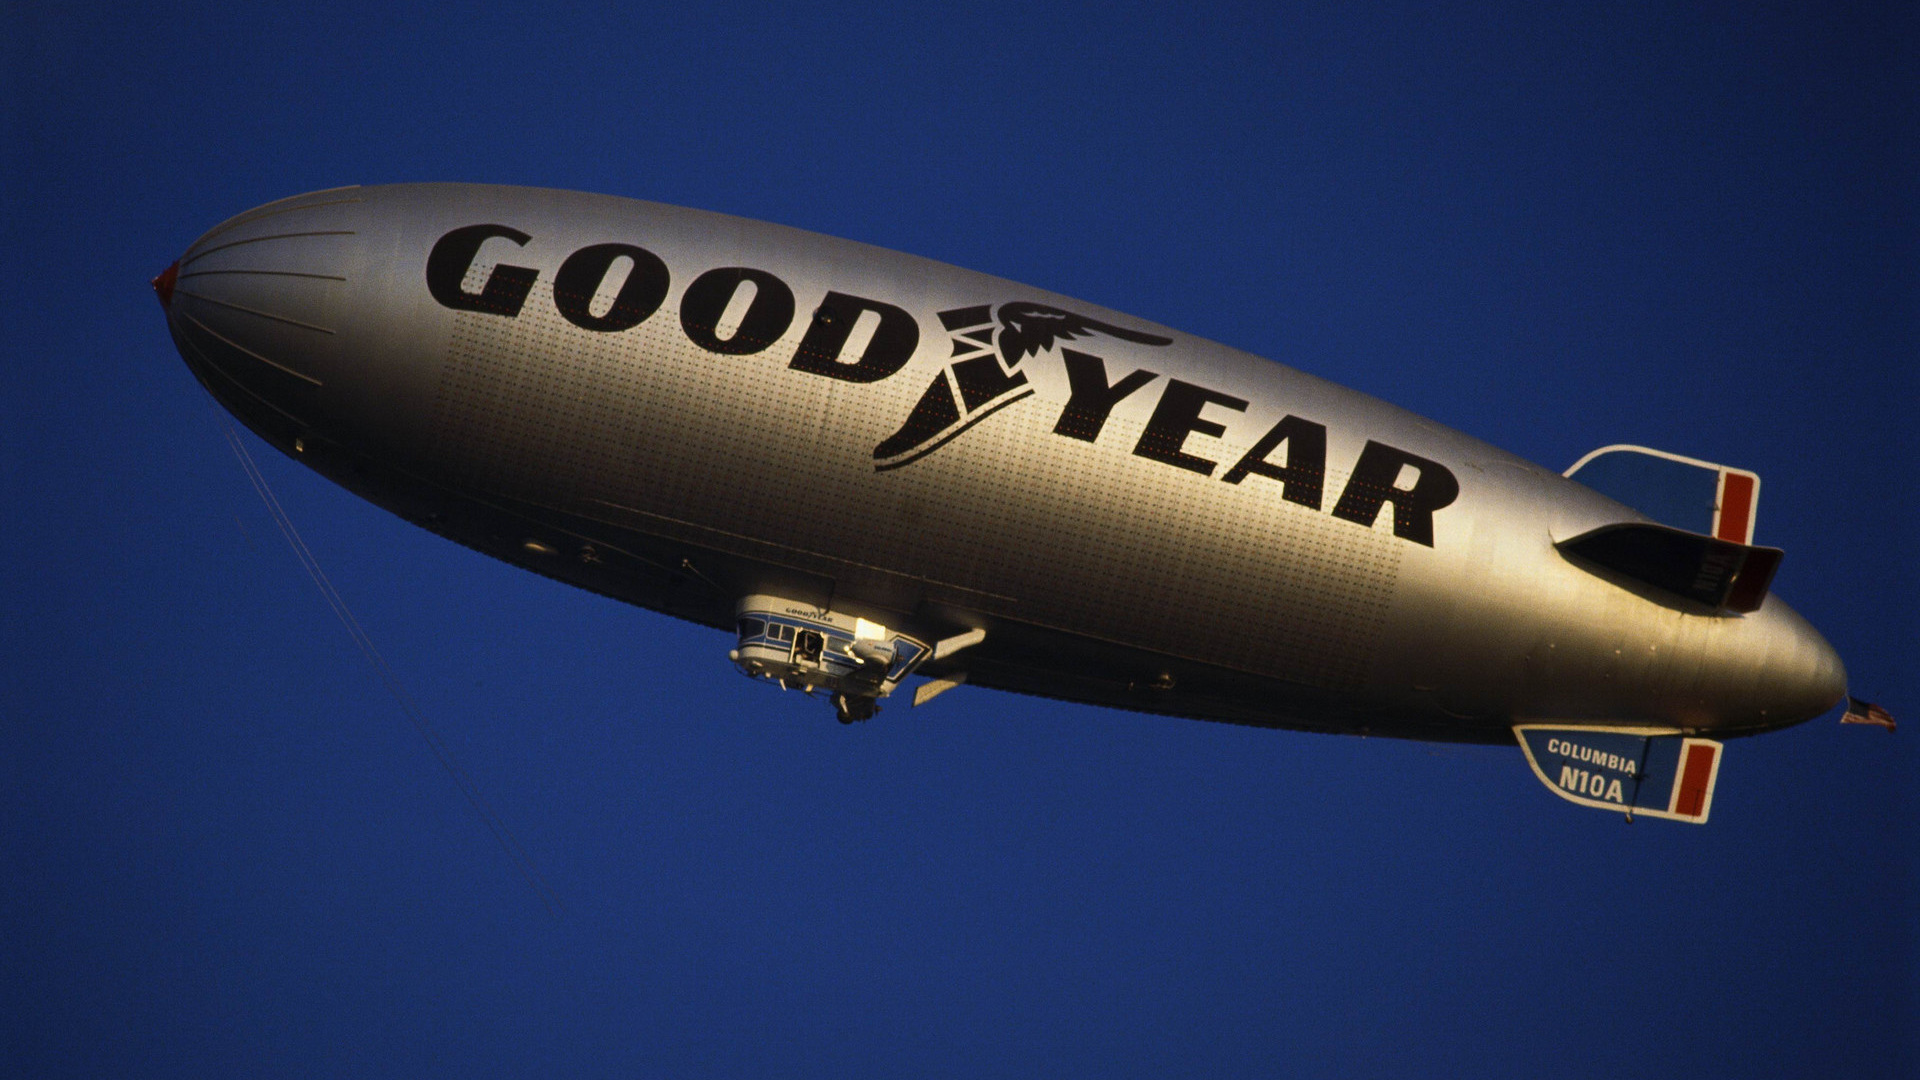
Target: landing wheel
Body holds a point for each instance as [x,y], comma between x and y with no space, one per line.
[848,710]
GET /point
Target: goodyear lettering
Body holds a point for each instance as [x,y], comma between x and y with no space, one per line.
[1176,417]
[1375,482]
[983,378]
[895,336]
[1092,398]
[447,265]
[769,311]
[1306,469]
[581,276]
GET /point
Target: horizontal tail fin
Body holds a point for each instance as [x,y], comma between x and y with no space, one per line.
[1718,573]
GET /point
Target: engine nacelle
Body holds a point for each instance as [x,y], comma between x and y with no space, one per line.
[802,647]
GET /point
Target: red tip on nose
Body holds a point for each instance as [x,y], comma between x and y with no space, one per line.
[163,285]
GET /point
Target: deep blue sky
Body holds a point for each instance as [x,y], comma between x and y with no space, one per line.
[226,853]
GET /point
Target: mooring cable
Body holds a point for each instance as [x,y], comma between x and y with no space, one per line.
[495,824]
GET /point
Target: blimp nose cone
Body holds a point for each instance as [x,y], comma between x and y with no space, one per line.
[163,285]
[254,307]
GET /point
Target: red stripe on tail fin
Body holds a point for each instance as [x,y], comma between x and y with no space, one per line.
[1733,520]
[1696,780]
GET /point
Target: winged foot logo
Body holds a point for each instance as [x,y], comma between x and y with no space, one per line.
[983,376]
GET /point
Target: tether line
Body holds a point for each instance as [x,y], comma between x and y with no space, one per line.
[495,824]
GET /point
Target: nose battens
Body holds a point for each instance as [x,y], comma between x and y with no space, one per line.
[252,305]
[163,285]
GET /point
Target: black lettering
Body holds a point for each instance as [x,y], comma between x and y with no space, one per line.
[889,350]
[1372,484]
[1092,400]
[1177,416]
[767,318]
[1304,473]
[452,256]
[581,276]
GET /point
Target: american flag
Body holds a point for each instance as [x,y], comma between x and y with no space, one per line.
[1866,712]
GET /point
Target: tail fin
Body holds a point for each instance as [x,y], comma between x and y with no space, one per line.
[1722,575]
[1702,549]
[1655,772]
[1683,492]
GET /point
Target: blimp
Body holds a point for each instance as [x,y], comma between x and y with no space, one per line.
[884,477]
